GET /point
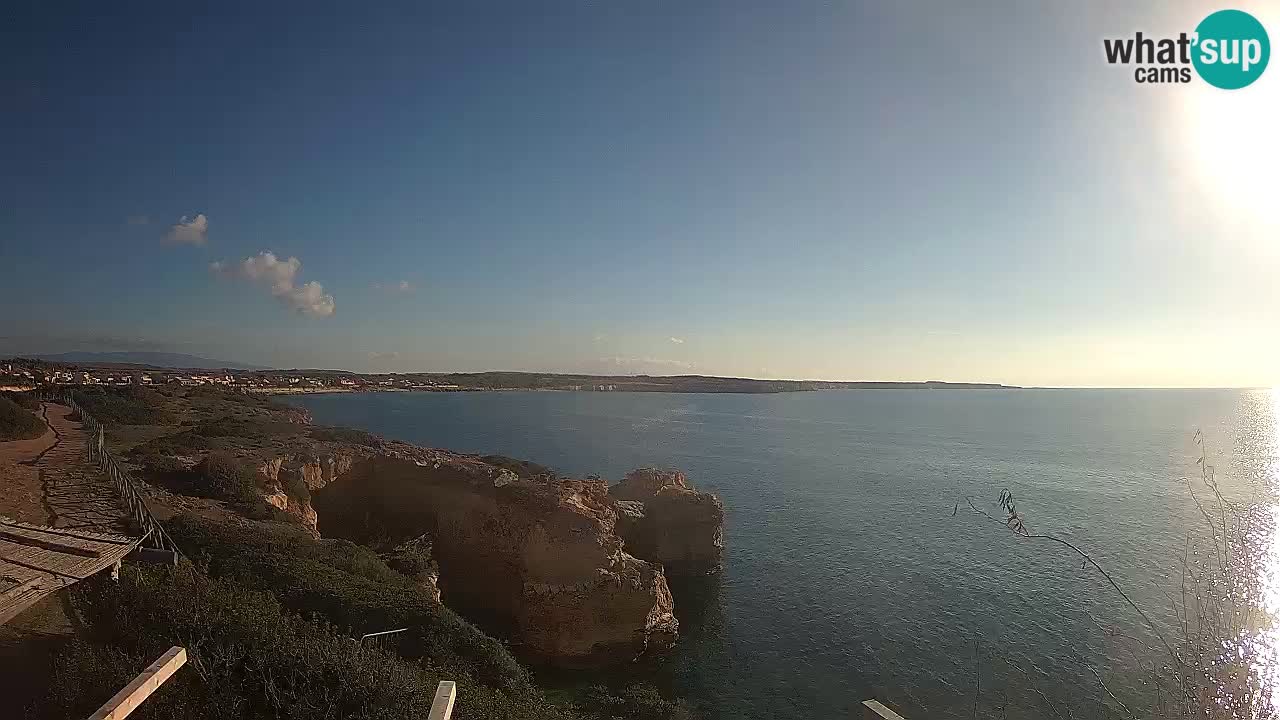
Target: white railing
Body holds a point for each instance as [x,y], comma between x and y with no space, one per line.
[384,640]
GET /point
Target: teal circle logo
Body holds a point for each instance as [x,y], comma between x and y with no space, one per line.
[1232,49]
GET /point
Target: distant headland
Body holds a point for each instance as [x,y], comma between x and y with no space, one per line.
[90,372]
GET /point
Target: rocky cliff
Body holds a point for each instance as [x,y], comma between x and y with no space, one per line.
[664,520]
[537,558]
[288,481]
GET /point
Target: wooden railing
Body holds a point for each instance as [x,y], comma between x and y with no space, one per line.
[153,534]
[442,706]
[875,710]
[132,695]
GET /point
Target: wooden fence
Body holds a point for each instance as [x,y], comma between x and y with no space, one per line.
[153,534]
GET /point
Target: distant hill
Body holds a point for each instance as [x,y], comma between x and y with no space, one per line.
[151,359]
[676,383]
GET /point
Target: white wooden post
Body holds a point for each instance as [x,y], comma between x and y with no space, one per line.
[128,699]
[442,706]
[875,710]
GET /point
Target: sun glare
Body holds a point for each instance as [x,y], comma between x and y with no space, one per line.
[1235,150]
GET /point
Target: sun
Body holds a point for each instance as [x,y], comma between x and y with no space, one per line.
[1233,146]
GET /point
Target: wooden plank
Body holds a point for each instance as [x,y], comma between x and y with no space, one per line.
[875,710]
[19,589]
[78,535]
[11,609]
[128,699]
[68,549]
[442,706]
[43,572]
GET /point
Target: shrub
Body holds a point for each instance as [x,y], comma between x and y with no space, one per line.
[523,468]
[414,559]
[295,487]
[249,657]
[133,405]
[347,435]
[255,428]
[222,477]
[24,400]
[349,586]
[637,701]
[17,423]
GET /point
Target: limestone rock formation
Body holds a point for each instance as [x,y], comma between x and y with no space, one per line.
[535,558]
[288,482]
[663,519]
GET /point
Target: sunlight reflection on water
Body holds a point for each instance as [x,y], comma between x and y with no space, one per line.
[1268,668]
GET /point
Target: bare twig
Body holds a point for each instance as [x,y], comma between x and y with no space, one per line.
[1014,523]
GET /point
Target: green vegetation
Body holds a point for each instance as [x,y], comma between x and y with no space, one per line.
[349,586]
[131,405]
[636,701]
[250,657]
[24,400]
[269,614]
[413,559]
[17,423]
[346,435]
[523,468]
[235,427]
[223,477]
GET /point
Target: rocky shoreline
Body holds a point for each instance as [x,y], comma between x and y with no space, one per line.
[573,572]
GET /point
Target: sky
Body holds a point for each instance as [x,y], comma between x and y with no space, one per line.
[800,189]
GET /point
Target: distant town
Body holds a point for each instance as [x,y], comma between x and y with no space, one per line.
[27,374]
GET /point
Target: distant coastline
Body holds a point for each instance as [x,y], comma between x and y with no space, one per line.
[661,384]
[313,381]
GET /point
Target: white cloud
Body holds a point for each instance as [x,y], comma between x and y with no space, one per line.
[281,277]
[378,356]
[189,231]
[676,340]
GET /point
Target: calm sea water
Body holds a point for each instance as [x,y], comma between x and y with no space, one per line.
[850,572]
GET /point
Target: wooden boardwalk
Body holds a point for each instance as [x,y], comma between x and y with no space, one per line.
[70,521]
[36,561]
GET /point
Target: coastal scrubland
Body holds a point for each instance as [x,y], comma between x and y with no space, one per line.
[272,614]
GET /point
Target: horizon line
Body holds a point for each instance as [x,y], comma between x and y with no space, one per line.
[561,373]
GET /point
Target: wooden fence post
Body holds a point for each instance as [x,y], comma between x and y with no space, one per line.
[442,706]
[875,710]
[129,698]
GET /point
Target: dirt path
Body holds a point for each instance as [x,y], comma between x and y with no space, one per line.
[21,494]
[47,481]
[75,494]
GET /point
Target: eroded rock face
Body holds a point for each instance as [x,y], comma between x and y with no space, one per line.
[288,482]
[538,558]
[663,519]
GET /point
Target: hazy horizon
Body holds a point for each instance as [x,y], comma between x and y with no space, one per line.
[308,368]
[815,190]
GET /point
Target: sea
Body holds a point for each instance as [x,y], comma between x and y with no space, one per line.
[858,565]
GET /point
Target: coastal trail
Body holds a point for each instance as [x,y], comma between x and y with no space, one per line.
[61,520]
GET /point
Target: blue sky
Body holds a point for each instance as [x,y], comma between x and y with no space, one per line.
[776,189]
